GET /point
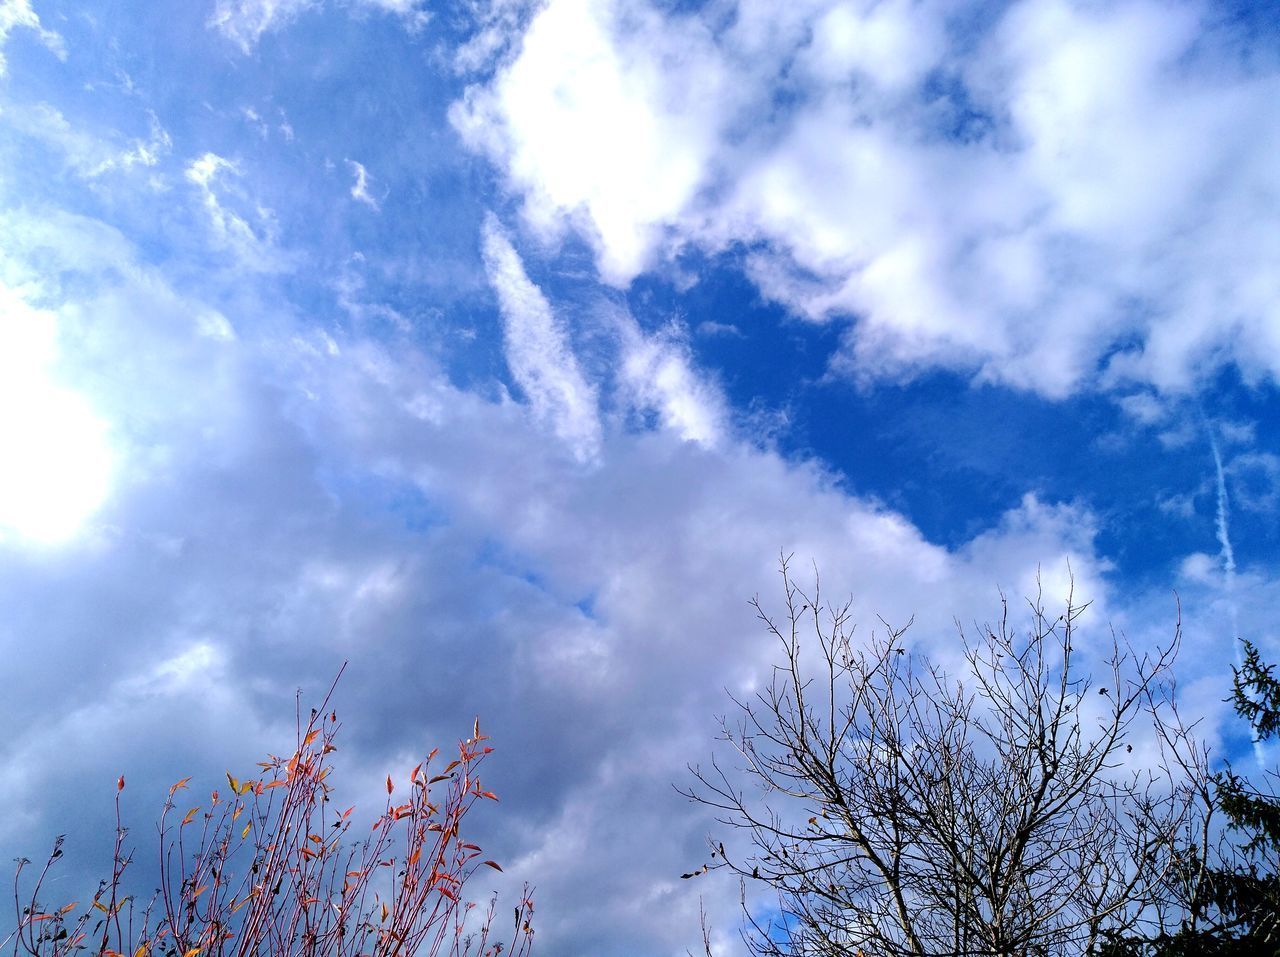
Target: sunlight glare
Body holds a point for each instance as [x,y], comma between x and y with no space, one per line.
[55,462]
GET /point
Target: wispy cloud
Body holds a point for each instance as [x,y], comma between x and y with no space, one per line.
[87,154]
[657,371]
[360,188]
[245,21]
[413,12]
[252,247]
[538,351]
[18,14]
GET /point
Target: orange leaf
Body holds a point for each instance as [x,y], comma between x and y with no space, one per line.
[310,737]
[120,783]
[181,784]
[192,952]
[494,865]
[390,787]
[190,816]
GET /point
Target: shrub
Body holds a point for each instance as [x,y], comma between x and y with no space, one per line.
[267,868]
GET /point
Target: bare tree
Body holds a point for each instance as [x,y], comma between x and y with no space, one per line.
[896,810]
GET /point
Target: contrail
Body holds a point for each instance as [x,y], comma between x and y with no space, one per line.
[1223,525]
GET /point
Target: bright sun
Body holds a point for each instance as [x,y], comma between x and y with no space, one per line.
[55,461]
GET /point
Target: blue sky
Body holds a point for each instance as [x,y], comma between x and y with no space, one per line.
[500,348]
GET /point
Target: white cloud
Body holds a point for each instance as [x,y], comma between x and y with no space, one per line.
[360,188]
[538,351]
[413,12]
[1083,196]
[245,21]
[254,247]
[88,154]
[16,14]
[657,370]
[595,123]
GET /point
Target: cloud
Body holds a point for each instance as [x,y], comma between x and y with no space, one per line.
[360,189]
[286,498]
[657,372]
[253,248]
[538,350]
[1074,197]
[15,14]
[593,122]
[411,11]
[89,155]
[296,478]
[245,21]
